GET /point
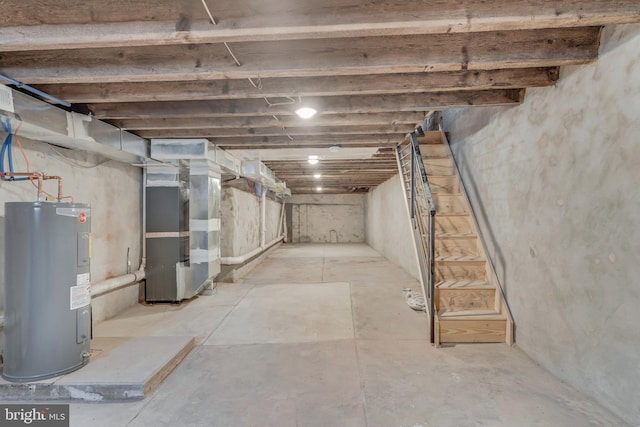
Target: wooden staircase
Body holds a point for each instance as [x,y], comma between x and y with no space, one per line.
[469,303]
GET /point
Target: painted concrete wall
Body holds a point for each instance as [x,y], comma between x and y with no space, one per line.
[326,218]
[388,226]
[114,192]
[240,221]
[554,184]
[274,210]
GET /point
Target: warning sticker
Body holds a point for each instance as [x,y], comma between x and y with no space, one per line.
[80,296]
[83,279]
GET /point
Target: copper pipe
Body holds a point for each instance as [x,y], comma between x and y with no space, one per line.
[28,174]
[40,191]
[59,184]
[33,176]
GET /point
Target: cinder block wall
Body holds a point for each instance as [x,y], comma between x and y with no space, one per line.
[554,185]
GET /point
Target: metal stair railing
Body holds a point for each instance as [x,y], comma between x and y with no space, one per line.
[422,213]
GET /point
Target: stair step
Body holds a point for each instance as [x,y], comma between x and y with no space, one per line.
[434,151]
[477,284]
[459,300]
[447,184]
[439,166]
[459,246]
[474,269]
[456,236]
[450,204]
[453,224]
[430,137]
[460,258]
[484,314]
[485,326]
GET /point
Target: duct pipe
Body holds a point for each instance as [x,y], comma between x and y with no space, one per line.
[263,215]
[101,288]
[144,219]
[233,260]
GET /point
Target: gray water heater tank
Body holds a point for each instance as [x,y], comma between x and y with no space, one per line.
[47,329]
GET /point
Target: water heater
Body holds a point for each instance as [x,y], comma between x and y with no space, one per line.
[47,328]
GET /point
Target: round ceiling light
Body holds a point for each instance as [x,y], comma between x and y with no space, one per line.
[306,112]
[318,188]
[313,160]
[317,176]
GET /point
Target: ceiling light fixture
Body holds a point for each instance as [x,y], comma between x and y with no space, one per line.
[317,176]
[334,148]
[306,112]
[318,188]
[313,160]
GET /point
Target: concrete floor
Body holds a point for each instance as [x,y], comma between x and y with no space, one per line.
[319,335]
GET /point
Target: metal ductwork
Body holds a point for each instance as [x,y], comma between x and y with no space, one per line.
[41,121]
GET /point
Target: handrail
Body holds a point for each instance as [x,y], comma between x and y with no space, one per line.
[421,209]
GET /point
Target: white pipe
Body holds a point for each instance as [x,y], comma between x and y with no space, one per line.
[101,288]
[232,260]
[144,218]
[281,222]
[263,216]
[108,285]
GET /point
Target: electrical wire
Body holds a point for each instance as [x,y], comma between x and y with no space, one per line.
[24,155]
[7,148]
[73,163]
[259,84]
[213,21]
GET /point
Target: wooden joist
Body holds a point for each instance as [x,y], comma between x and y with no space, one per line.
[363,119]
[300,58]
[119,23]
[398,130]
[373,70]
[327,105]
[311,140]
[370,84]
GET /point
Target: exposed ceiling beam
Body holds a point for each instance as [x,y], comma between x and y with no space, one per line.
[373,84]
[332,190]
[374,119]
[372,69]
[326,105]
[90,24]
[371,55]
[276,131]
[311,140]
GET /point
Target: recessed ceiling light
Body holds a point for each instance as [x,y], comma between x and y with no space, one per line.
[313,159]
[306,112]
[318,188]
[317,176]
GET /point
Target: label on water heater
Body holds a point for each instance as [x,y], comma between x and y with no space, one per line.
[80,296]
